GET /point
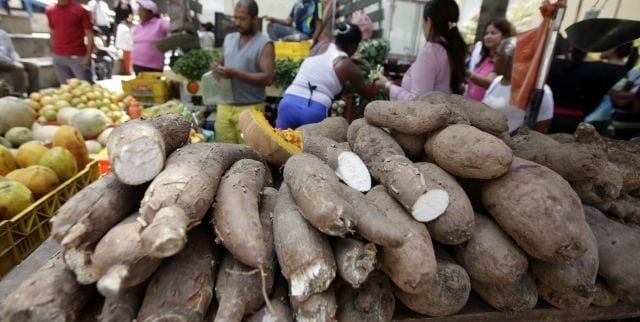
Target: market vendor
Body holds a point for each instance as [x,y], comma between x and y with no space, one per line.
[144,55]
[320,78]
[248,61]
[439,65]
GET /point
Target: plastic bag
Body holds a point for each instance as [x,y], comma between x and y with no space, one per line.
[360,19]
[215,89]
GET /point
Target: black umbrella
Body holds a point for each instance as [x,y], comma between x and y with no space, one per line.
[596,35]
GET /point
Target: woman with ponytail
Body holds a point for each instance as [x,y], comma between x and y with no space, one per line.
[439,65]
[320,78]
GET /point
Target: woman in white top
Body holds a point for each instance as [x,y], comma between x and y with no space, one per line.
[499,93]
[320,78]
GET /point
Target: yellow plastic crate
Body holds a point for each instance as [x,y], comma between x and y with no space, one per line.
[22,234]
[147,88]
[293,50]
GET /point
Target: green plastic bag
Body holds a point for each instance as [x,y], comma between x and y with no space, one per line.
[216,89]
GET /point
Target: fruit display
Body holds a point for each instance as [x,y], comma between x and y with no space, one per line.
[79,94]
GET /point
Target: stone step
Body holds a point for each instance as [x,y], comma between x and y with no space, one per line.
[47,75]
[32,45]
[15,24]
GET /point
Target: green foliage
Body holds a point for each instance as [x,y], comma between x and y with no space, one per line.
[5,88]
[285,72]
[195,63]
[374,51]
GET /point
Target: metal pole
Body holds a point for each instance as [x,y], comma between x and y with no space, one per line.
[547,56]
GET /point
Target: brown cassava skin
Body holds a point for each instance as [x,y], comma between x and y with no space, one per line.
[412,145]
[372,301]
[281,313]
[190,179]
[174,130]
[299,245]
[182,287]
[320,307]
[372,223]
[121,248]
[447,294]
[239,289]
[530,199]
[626,207]
[602,295]
[70,138]
[412,266]
[355,260]
[527,139]
[562,137]
[604,188]
[491,256]
[626,155]
[456,224]
[467,152]
[388,165]
[352,131]
[236,217]
[618,249]
[481,116]
[325,149]
[334,128]
[516,297]
[569,285]
[573,161]
[410,117]
[123,306]
[97,208]
[50,294]
[458,115]
[316,189]
[141,139]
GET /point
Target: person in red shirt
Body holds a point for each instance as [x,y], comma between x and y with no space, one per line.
[70,23]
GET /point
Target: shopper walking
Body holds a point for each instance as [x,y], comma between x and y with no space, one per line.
[70,25]
[145,56]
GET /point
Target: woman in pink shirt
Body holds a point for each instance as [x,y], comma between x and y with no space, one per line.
[439,65]
[482,75]
[144,55]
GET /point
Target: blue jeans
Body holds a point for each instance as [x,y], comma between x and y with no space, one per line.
[278,31]
[28,4]
[295,111]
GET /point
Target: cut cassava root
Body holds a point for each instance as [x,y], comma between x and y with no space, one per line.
[137,149]
[347,165]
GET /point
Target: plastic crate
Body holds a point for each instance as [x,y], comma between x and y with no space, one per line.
[148,88]
[293,50]
[23,233]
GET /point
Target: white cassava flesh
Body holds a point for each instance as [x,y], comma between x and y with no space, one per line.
[430,205]
[79,261]
[166,235]
[147,156]
[353,172]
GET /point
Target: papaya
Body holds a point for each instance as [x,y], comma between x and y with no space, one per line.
[70,138]
[39,179]
[14,198]
[8,162]
[30,153]
[61,161]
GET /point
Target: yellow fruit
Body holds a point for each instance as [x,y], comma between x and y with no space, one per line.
[39,179]
[35,96]
[61,161]
[92,104]
[61,103]
[8,162]
[75,101]
[50,115]
[84,98]
[73,82]
[33,104]
[14,197]
[30,153]
[46,100]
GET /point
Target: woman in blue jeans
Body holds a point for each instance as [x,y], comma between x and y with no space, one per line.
[320,78]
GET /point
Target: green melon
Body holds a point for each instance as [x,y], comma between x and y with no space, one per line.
[61,161]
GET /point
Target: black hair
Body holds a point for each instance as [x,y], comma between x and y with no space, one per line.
[207,26]
[252,7]
[506,29]
[444,16]
[347,34]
